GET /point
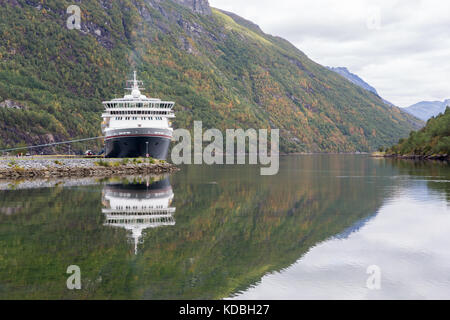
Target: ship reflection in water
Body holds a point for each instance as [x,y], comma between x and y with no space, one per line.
[138,205]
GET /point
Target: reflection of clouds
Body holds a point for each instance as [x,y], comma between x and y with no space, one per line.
[138,206]
[408,239]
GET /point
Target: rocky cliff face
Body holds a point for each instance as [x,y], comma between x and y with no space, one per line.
[198,6]
[11,104]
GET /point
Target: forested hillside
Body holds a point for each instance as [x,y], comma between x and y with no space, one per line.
[432,140]
[218,67]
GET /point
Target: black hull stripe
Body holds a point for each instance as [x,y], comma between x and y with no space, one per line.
[138,135]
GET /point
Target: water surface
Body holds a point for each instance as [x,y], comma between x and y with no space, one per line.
[214,232]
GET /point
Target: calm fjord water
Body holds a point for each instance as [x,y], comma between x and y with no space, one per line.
[213,232]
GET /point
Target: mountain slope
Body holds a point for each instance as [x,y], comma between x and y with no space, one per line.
[426,109]
[343,71]
[218,67]
[432,140]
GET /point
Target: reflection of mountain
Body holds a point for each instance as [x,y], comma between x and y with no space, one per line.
[138,206]
[227,235]
[355,227]
[232,233]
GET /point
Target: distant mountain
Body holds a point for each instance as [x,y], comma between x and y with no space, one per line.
[426,109]
[343,71]
[218,67]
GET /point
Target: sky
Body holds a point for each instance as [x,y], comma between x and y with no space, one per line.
[400,47]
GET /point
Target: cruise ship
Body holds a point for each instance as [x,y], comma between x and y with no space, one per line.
[138,206]
[137,126]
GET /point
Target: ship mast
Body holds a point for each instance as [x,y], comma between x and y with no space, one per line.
[135,82]
[135,88]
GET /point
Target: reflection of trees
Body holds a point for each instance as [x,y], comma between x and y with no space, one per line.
[230,234]
[229,231]
[436,171]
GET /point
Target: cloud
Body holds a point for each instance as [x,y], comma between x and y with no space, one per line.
[402,48]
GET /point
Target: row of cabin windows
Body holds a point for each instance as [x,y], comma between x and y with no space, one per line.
[136,118]
[140,112]
[137,207]
[150,220]
[139,105]
[132,214]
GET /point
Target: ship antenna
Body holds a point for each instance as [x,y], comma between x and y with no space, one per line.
[135,83]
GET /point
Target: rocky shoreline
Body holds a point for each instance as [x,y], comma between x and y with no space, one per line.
[436,157]
[57,168]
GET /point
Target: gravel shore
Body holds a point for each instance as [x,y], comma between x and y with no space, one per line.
[437,157]
[66,182]
[16,168]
